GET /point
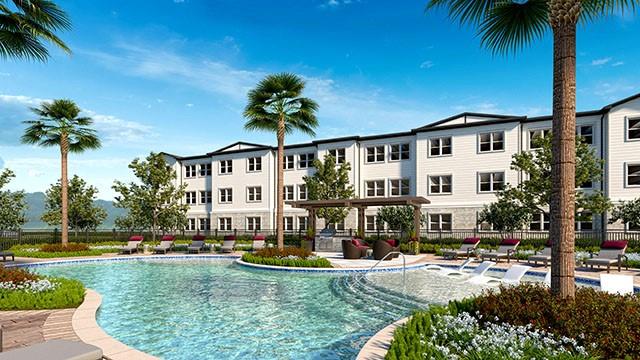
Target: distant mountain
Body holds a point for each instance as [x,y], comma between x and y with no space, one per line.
[35,202]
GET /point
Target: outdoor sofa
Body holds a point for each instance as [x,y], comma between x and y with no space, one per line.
[611,253]
[133,245]
[228,244]
[197,244]
[506,250]
[55,350]
[352,251]
[467,249]
[382,248]
[543,256]
[166,244]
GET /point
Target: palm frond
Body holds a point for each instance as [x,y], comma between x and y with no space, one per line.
[465,11]
[593,9]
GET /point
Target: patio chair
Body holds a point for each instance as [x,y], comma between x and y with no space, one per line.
[506,249]
[547,279]
[197,244]
[611,252]
[479,270]
[228,243]
[258,242]
[382,248]
[350,251]
[617,284]
[133,245]
[55,350]
[467,249]
[512,277]
[543,256]
[361,244]
[6,254]
[447,271]
[166,244]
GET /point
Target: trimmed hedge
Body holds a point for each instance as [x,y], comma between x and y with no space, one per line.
[68,294]
[289,256]
[48,251]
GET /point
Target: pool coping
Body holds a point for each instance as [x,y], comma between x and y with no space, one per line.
[122,258]
[394,268]
[378,345]
[86,327]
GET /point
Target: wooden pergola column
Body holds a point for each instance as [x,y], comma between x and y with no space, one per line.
[361,220]
[312,219]
[417,216]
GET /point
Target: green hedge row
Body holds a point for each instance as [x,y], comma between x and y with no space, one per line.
[308,263]
[68,294]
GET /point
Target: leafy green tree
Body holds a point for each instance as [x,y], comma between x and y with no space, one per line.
[12,204]
[628,212]
[83,213]
[330,182]
[510,25]
[60,125]
[277,105]
[398,218]
[155,201]
[505,215]
[25,25]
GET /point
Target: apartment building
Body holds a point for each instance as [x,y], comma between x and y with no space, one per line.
[458,163]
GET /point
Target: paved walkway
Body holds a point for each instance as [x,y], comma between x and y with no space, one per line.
[23,328]
[337,260]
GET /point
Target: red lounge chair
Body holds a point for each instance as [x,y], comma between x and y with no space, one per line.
[133,245]
[467,248]
[166,244]
[506,249]
[197,244]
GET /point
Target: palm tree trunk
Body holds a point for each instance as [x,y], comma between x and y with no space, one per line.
[64,223]
[562,204]
[280,186]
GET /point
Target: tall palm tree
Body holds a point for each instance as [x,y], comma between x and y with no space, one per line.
[25,25]
[277,105]
[59,125]
[510,25]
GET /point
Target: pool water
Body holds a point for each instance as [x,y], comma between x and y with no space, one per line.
[214,309]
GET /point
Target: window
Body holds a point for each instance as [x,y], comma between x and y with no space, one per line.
[339,155]
[205,224]
[485,226]
[537,134]
[492,141]
[226,195]
[226,166]
[439,222]
[288,223]
[302,192]
[440,146]
[539,222]
[633,227]
[371,223]
[491,182]
[586,185]
[253,223]
[306,160]
[205,169]
[633,129]
[375,154]
[440,184]
[255,164]
[586,133]
[190,197]
[337,226]
[191,224]
[289,162]
[224,224]
[288,192]
[633,174]
[584,221]
[375,188]
[399,187]
[399,152]
[303,223]
[254,194]
[205,197]
[190,171]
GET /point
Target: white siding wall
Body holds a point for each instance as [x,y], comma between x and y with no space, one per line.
[621,151]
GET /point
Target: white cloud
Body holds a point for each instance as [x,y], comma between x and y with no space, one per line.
[600,62]
[427,64]
[335,3]
[189,105]
[618,63]
[615,90]
[1,163]
[5,74]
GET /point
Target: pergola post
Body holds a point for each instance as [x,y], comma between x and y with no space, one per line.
[417,217]
[312,220]
[361,221]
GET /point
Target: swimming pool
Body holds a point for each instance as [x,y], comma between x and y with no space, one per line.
[214,309]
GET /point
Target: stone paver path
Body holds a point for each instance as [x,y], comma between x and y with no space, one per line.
[23,328]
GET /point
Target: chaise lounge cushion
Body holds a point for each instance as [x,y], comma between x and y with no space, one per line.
[359,243]
[471,240]
[198,237]
[136,238]
[393,242]
[168,238]
[510,242]
[229,237]
[259,238]
[614,245]
[55,350]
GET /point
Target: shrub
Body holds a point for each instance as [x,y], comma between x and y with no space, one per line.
[287,251]
[289,256]
[71,247]
[67,293]
[16,275]
[47,251]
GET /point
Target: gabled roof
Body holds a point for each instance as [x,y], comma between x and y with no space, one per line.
[240,144]
[464,115]
[620,102]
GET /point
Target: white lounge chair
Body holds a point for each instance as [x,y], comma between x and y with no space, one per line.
[506,250]
[467,249]
[228,243]
[616,284]
[166,244]
[479,270]
[512,277]
[133,245]
[197,244]
[611,253]
[543,256]
[446,271]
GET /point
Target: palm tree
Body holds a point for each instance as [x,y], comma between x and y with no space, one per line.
[59,125]
[24,26]
[510,25]
[276,105]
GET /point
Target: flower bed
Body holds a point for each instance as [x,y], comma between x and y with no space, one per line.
[48,251]
[524,322]
[22,290]
[289,256]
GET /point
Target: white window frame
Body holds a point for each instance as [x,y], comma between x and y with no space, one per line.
[191,197]
[440,184]
[307,162]
[190,171]
[337,226]
[303,223]
[378,157]
[204,224]
[207,169]
[543,219]
[288,196]
[440,221]
[400,152]
[289,162]
[208,197]
[340,154]
[579,132]
[627,127]
[540,131]
[492,141]
[228,195]
[491,181]
[288,223]
[578,226]
[626,174]
[256,162]
[225,167]
[191,224]
[627,227]
[376,188]
[440,147]
[225,223]
[256,192]
[375,226]
[302,187]
[253,223]
[400,187]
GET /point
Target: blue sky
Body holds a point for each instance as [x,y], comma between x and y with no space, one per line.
[172,75]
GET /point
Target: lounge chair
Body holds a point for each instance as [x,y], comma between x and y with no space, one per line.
[616,284]
[506,249]
[382,248]
[547,278]
[55,350]
[133,245]
[479,270]
[258,242]
[447,271]
[197,244]
[6,254]
[228,243]
[467,249]
[512,277]
[362,245]
[543,256]
[611,252]
[166,244]
[350,251]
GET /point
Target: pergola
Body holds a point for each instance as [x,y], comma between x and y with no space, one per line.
[362,204]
